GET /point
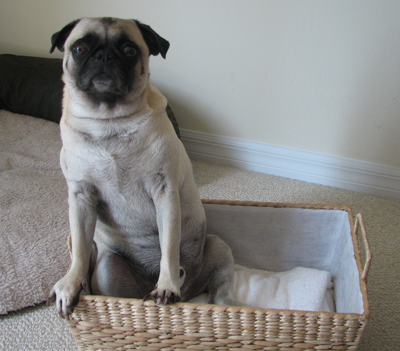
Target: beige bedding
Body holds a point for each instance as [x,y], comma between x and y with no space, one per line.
[33,211]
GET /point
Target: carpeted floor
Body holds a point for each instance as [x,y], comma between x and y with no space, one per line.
[40,328]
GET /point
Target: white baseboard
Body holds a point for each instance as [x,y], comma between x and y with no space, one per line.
[364,177]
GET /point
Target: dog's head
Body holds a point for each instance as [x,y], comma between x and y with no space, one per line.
[106,60]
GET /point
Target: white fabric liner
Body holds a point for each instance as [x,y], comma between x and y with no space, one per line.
[281,239]
[305,289]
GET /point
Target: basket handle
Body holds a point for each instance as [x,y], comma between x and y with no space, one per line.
[359,223]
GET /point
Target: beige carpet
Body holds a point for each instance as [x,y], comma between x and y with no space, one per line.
[39,328]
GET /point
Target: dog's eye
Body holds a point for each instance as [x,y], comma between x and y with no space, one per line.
[80,49]
[129,51]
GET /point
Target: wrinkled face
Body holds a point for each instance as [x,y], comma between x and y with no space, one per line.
[107,59]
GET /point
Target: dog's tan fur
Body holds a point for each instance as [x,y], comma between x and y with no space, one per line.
[134,208]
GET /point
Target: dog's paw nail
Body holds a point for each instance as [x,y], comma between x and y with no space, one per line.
[164,297]
[174,298]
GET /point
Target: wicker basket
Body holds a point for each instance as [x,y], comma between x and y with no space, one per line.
[104,323]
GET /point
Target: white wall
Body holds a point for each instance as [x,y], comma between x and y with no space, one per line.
[320,76]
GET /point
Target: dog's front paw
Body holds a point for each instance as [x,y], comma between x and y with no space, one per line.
[163,296]
[65,294]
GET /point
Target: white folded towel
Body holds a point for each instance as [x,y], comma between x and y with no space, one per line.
[299,289]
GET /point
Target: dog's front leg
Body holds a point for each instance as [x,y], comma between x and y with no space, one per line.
[169,227]
[82,217]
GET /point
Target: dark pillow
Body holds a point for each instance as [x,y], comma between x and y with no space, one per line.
[33,86]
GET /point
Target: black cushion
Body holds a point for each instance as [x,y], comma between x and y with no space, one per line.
[33,86]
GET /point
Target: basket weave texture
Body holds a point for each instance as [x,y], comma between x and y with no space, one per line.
[101,323]
[108,323]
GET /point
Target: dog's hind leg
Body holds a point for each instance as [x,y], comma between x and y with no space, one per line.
[218,271]
[114,276]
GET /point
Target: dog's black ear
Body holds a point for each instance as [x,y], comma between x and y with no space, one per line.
[156,44]
[58,39]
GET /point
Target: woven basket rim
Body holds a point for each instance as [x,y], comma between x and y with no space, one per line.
[223,308]
[304,205]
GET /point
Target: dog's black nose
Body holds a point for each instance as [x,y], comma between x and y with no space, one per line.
[104,56]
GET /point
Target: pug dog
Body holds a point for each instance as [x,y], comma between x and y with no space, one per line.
[138,227]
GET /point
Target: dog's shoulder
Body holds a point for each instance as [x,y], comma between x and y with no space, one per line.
[155,99]
[159,124]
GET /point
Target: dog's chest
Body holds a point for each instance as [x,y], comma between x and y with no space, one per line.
[119,169]
[118,163]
